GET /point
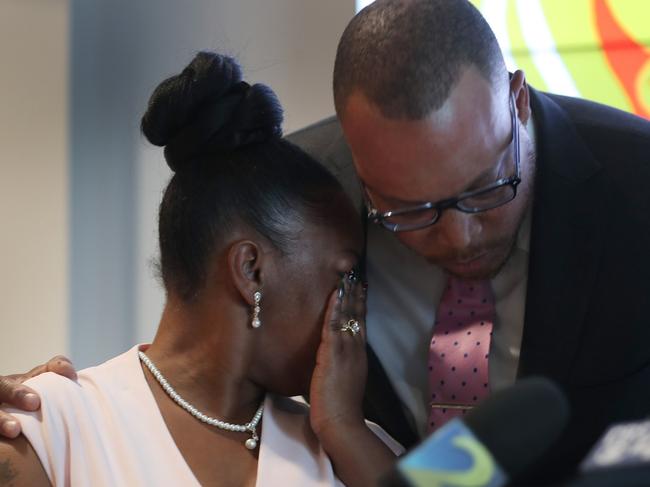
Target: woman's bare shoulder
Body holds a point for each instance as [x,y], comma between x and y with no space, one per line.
[19,464]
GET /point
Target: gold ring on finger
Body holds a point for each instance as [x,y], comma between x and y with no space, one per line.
[351,326]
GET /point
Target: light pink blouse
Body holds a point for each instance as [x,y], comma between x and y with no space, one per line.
[106,430]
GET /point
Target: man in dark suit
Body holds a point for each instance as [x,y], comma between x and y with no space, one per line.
[472,175]
[425,103]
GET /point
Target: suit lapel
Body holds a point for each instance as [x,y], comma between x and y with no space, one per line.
[382,406]
[569,213]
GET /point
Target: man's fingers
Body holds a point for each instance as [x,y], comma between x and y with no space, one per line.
[59,365]
[63,366]
[38,370]
[13,393]
[9,427]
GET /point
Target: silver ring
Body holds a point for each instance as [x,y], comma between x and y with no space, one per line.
[352,326]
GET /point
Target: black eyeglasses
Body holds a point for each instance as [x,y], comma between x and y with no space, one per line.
[420,216]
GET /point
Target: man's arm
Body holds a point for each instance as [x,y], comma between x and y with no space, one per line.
[14,393]
[19,465]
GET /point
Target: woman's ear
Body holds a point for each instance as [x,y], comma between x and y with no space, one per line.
[245,263]
[519,89]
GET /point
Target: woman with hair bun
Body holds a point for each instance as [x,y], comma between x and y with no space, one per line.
[259,247]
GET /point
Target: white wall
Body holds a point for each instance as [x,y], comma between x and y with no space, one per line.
[33,182]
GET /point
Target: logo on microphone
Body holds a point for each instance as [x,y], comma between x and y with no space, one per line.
[452,457]
[624,444]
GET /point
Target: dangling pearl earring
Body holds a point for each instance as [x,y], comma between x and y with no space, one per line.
[256,323]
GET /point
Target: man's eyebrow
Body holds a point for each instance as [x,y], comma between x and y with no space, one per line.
[483,176]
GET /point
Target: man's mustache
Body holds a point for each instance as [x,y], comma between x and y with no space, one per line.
[467,255]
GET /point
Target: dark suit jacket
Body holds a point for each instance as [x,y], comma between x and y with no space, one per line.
[587,319]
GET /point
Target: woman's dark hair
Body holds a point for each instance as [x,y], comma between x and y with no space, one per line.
[223,141]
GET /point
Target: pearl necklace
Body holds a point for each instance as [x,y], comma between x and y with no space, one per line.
[251,426]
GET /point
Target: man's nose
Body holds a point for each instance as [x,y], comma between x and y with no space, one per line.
[455,229]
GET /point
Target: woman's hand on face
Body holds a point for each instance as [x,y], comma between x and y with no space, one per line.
[339,378]
[14,393]
[359,457]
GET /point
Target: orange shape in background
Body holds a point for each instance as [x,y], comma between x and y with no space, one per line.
[629,60]
[643,86]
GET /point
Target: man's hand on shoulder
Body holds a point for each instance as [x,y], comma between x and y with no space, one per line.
[13,393]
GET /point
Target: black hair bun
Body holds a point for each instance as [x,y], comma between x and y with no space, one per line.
[208,109]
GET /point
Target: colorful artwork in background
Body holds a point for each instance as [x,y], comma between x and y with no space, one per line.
[595,49]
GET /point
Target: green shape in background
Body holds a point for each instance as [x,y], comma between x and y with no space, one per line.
[573,25]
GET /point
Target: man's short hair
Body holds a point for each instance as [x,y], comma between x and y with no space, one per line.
[405,56]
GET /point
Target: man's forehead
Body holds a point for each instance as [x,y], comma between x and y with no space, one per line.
[446,149]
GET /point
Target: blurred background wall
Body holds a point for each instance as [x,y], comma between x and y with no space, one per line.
[34,183]
[80,187]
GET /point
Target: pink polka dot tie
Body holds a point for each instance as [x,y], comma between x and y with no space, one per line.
[458,356]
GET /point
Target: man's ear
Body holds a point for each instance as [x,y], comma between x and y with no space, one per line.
[245,263]
[519,89]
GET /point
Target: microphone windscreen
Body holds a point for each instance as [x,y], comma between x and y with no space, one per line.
[518,424]
[497,441]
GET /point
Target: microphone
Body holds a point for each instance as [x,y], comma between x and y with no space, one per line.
[620,458]
[493,443]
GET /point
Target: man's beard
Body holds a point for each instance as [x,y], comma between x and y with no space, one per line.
[493,270]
